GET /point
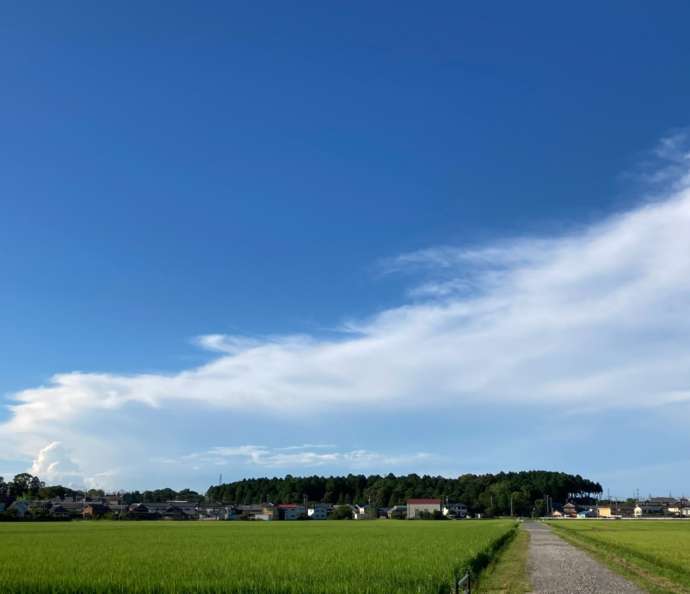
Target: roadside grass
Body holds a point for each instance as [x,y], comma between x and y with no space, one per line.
[373,557]
[507,573]
[653,554]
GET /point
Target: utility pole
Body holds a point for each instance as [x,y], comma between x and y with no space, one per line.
[511,505]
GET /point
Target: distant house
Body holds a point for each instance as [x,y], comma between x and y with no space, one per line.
[637,512]
[60,513]
[172,512]
[290,511]
[587,513]
[556,514]
[112,500]
[93,511]
[20,508]
[218,512]
[680,508]
[569,510]
[416,507]
[138,511]
[189,508]
[75,507]
[254,512]
[397,512]
[455,510]
[318,512]
[360,512]
[654,507]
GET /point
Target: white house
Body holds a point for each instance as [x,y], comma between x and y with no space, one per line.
[360,512]
[318,512]
[455,510]
[415,507]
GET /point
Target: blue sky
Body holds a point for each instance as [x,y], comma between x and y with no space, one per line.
[259,239]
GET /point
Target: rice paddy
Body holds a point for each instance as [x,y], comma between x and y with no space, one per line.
[655,554]
[266,557]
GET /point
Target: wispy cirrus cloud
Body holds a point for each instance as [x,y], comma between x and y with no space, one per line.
[594,320]
[304,456]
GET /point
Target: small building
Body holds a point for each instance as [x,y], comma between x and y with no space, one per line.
[569,510]
[20,508]
[418,507]
[397,512]
[290,511]
[138,511]
[637,512]
[217,512]
[677,508]
[58,512]
[360,512]
[556,514]
[93,511]
[172,512]
[587,513]
[653,508]
[318,512]
[254,512]
[605,511]
[455,510]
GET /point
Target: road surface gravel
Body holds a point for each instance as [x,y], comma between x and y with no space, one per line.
[557,567]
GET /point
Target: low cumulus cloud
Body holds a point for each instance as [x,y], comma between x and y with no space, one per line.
[594,320]
[54,464]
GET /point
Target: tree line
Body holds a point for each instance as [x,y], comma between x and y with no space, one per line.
[27,486]
[489,494]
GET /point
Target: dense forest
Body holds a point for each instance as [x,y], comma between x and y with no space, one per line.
[489,494]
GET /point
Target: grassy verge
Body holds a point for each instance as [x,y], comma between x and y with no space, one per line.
[507,573]
[649,574]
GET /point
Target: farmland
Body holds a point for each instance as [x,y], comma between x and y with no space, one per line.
[656,554]
[271,557]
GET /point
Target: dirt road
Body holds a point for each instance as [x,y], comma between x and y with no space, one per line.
[556,567]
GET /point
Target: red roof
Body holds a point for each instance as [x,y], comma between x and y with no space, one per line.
[424,501]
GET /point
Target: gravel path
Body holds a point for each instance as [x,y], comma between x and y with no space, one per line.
[556,567]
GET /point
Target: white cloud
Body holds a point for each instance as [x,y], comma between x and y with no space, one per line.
[594,320]
[295,457]
[55,465]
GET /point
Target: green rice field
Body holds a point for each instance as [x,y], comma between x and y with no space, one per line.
[273,557]
[655,554]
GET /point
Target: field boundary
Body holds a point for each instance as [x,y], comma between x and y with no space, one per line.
[484,558]
[636,571]
[499,573]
